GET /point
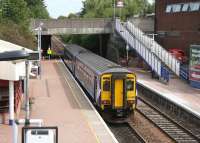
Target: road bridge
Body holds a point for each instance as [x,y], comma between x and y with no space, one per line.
[73,26]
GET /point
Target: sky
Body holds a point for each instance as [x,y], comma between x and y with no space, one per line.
[64,7]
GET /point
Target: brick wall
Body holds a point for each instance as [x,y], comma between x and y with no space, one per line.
[180,28]
[4,93]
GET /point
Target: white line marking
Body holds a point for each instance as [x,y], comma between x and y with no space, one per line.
[99,117]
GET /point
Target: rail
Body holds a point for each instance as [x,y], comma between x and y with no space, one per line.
[125,133]
[173,129]
[176,111]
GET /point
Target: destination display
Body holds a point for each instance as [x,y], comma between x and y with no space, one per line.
[195,66]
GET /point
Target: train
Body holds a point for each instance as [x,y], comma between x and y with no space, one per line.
[111,88]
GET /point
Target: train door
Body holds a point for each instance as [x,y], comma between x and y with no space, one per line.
[95,88]
[105,90]
[119,93]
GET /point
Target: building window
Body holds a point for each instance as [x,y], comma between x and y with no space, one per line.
[168,8]
[176,8]
[185,7]
[129,85]
[194,6]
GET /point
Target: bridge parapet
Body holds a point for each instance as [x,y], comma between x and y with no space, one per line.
[73,26]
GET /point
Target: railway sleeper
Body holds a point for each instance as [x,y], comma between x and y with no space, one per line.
[186,140]
[162,122]
[169,128]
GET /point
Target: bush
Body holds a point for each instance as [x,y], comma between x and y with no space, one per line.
[14,33]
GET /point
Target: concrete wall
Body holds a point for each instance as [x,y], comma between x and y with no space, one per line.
[60,31]
[73,26]
[145,23]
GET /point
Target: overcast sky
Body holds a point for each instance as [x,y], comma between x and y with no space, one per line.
[64,7]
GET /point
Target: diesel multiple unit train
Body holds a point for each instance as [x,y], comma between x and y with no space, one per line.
[111,87]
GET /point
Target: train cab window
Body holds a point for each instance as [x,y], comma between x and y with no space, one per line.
[106,85]
[129,85]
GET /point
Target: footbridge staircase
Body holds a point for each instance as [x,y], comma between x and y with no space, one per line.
[160,60]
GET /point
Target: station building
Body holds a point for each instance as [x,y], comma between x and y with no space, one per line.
[177,23]
[12,74]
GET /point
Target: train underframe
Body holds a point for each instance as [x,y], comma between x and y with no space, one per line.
[116,115]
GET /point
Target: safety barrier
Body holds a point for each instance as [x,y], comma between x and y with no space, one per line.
[151,59]
[165,57]
[184,73]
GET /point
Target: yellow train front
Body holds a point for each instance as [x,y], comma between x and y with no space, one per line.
[118,92]
[111,87]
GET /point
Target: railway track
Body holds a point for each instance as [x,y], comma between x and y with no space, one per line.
[174,130]
[124,133]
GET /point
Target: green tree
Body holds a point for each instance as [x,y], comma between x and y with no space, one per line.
[37,8]
[62,17]
[16,11]
[72,15]
[104,8]
[15,17]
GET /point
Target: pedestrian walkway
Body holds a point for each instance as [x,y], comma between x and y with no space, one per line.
[58,101]
[176,91]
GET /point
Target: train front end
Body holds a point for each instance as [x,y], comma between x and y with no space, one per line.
[118,93]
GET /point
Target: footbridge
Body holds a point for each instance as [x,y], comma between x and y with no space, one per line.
[159,59]
[73,26]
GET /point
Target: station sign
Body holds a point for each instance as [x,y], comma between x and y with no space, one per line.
[39,135]
[120,4]
[194,70]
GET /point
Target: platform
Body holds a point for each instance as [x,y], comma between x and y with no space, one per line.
[177,91]
[58,100]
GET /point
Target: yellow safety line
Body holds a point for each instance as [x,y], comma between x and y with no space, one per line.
[79,104]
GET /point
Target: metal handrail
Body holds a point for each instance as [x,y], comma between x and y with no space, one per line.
[162,53]
[152,60]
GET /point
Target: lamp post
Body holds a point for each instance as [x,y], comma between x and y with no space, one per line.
[114,6]
[153,35]
[39,30]
[120,4]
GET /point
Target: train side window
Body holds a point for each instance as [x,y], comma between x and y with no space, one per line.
[129,85]
[106,85]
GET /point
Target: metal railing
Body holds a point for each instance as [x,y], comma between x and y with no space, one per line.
[170,61]
[150,57]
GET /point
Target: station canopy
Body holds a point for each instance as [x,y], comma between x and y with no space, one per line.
[12,70]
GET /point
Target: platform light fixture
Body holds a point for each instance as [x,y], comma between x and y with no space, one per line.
[39,33]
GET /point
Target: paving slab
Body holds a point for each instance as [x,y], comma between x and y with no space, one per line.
[176,90]
[58,101]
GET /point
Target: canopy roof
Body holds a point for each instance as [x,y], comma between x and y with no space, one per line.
[10,70]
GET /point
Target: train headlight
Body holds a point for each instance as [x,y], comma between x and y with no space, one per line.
[130,102]
[105,102]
